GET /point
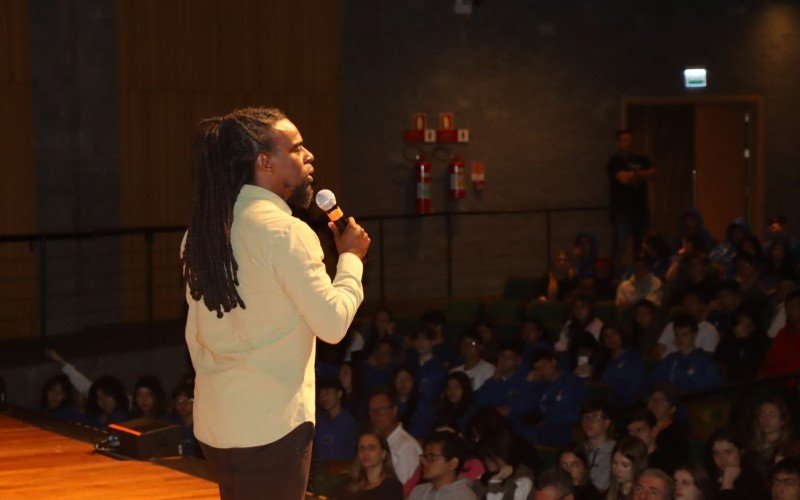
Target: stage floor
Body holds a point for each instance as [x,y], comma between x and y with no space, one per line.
[38,464]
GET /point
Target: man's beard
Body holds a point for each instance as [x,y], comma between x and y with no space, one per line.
[301,196]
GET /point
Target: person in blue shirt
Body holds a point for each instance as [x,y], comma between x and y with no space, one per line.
[183,415]
[534,337]
[58,399]
[620,367]
[557,410]
[335,432]
[444,351]
[429,372]
[690,369]
[508,384]
[377,369]
[417,419]
[107,403]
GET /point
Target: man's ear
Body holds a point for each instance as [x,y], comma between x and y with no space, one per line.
[452,464]
[263,162]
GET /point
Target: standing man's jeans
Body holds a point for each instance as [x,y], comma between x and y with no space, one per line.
[625,224]
[276,470]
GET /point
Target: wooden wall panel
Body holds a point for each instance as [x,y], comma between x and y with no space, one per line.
[18,291]
[181,61]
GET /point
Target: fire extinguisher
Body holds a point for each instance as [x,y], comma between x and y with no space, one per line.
[458,174]
[422,169]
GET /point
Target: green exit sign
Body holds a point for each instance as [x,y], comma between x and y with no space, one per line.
[694,78]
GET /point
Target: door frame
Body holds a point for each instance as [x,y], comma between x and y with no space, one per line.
[755,194]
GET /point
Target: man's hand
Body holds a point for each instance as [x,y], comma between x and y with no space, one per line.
[52,354]
[354,239]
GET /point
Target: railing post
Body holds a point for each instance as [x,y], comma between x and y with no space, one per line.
[383,263]
[449,226]
[42,292]
[148,239]
[548,240]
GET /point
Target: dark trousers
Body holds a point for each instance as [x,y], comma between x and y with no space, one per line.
[624,225]
[276,470]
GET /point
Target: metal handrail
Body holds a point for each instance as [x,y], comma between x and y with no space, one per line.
[149,232]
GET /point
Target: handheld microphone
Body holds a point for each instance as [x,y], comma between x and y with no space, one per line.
[326,201]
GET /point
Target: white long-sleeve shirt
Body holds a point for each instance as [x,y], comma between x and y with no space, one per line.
[255,365]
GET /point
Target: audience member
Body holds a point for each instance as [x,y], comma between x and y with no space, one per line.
[698,278]
[778,313]
[646,328]
[779,264]
[691,369]
[477,369]
[723,254]
[405,449]
[656,250]
[621,368]
[643,284]
[435,322]
[574,461]
[730,468]
[584,255]
[107,403]
[149,399]
[554,484]
[508,383]
[374,479]
[643,425]
[335,430]
[604,282]
[378,369]
[741,351]
[654,484]
[534,337]
[778,230]
[560,280]
[183,415]
[457,408]
[548,418]
[383,328]
[577,344]
[695,306]
[596,426]
[506,476]
[691,226]
[785,480]
[782,356]
[78,379]
[58,399]
[484,326]
[671,437]
[443,459]
[771,429]
[628,460]
[692,483]
[727,302]
[747,274]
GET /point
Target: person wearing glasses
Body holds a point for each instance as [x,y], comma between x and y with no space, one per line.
[404,448]
[442,461]
[596,425]
[654,484]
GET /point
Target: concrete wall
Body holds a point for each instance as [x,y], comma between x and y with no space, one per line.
[25,382]
[76,139]
[540,85]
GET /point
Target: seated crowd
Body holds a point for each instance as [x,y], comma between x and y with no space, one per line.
[597,408]
[71,396]
[606,400]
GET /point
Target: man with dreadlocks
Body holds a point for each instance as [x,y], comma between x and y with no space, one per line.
[258,297]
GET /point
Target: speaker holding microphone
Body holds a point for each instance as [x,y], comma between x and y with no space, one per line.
[326,201]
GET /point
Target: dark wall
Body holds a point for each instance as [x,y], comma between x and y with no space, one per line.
[540,85]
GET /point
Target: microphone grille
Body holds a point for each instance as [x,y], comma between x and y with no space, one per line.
[325,199]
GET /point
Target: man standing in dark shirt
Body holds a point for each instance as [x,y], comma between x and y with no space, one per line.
[628,175]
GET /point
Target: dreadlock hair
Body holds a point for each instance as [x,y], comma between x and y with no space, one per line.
[225,152]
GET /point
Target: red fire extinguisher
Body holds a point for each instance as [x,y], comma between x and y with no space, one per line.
[458,174]
[422,169]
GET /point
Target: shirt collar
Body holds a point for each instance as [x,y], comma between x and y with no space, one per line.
[252,192]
